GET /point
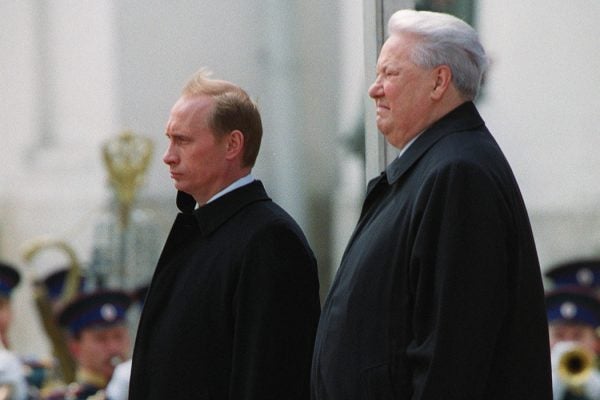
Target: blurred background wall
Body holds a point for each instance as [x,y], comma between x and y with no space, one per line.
[541,102]
[75,73]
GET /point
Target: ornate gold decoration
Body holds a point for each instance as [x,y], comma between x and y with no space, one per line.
[126,158]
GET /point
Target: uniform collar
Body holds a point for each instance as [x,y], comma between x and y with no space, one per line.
[86,377]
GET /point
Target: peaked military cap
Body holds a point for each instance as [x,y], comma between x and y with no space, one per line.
[584,272]
[573,305]
[98,309]
[9,279]
[54,283]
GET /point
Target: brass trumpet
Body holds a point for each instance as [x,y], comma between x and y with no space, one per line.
[575,366]
[46,309]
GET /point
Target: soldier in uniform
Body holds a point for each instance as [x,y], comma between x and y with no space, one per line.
[98,339]
[118,387]
[12,380]
[574,319]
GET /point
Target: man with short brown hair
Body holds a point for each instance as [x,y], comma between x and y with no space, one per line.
[233,306]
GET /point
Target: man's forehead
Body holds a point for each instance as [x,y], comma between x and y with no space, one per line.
[96,330]
[569,326]
[192,103]
[189,109]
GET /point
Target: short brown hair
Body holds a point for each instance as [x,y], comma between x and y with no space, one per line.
[232,110]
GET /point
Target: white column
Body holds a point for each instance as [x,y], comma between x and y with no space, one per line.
[282,108]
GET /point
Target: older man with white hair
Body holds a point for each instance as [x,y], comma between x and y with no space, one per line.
[439,293]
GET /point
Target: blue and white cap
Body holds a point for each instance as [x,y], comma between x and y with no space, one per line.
[54,283]
[98,309]
[583,272]
[9,279]
[573,305]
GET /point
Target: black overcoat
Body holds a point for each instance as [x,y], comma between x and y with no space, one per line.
[439,293]
[232,309]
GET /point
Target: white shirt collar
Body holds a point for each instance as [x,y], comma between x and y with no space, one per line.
[403,150]
[235,185]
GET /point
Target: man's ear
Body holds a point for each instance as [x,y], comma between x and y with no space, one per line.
[235,144]
[442,78]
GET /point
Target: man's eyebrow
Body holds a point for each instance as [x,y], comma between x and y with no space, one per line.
[175,134]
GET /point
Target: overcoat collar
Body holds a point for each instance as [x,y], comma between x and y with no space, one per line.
[212,215]
[463,117]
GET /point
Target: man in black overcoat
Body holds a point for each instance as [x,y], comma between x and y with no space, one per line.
[439,294]
[232,309]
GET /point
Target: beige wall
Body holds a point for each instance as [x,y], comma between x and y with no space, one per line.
[104,66]
[76,73]
[541,103]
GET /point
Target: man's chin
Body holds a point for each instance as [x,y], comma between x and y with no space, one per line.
[179,186]
[382,126]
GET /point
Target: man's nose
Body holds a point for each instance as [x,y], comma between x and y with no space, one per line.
[169,156]
[376,89]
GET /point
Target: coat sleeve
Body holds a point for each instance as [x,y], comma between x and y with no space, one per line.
[276,309]
[458,282]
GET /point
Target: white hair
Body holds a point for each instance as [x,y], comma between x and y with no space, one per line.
[444,40]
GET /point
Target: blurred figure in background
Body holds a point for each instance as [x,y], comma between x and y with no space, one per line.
[9,279]
[584,272]
[48,295]
[98,339]
[573,309]
[54,283]
[118,387]
[574,320]
[13,385]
